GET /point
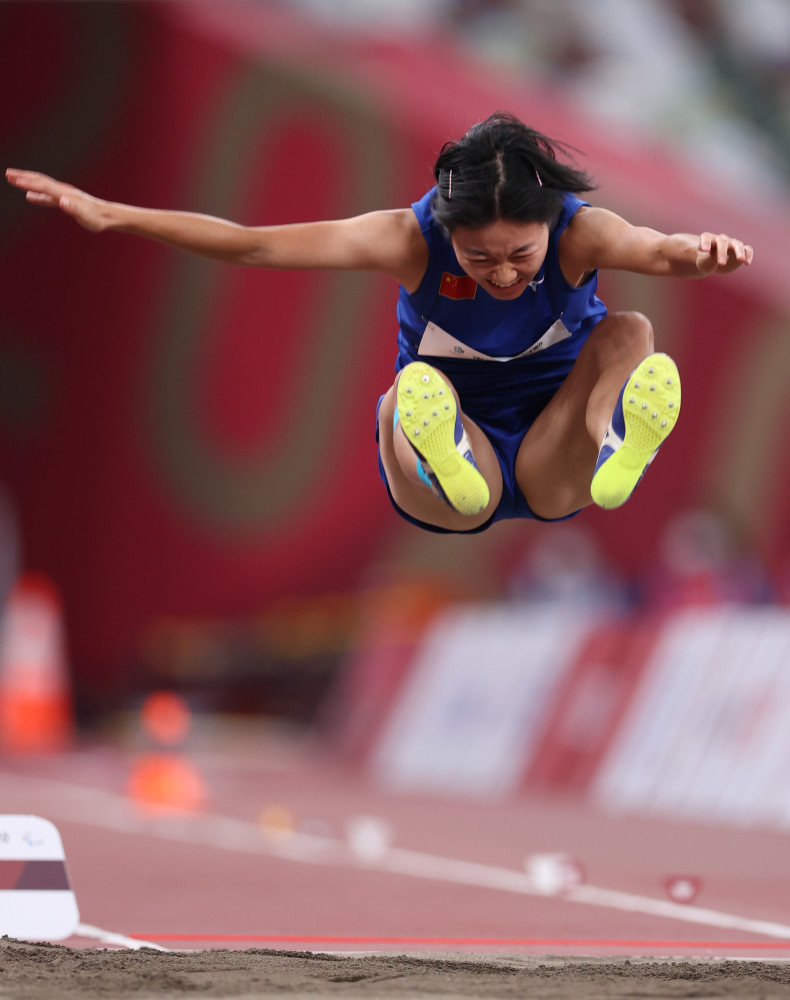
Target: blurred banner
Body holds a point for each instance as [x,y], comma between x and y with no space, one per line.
[685,716]
[188,440]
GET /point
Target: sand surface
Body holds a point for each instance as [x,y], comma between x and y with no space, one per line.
[48,972]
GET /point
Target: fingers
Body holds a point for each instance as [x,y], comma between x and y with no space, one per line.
[39,198]
[40,189]
[27,179]
[36,186]
[45,191]
[717,245]
[727,251]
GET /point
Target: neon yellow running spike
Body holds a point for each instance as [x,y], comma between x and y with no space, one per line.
[643,418]
[432,425]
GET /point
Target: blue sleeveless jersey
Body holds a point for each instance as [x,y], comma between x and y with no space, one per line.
[505,358]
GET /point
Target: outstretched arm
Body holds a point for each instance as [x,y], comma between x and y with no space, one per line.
[388,241]
[597,238]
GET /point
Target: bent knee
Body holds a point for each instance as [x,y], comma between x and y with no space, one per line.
[626,334]
[635,327]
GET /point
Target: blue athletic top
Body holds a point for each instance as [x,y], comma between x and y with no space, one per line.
[506,359]
[496,352]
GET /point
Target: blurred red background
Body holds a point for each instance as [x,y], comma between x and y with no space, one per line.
[184,441]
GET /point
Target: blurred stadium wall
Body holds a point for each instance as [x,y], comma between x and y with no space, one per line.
[184,439]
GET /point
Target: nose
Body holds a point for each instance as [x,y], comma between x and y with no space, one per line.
[504,274]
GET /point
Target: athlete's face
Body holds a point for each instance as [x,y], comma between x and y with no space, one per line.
[503,256]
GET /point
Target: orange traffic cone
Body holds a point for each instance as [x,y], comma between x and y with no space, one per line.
[166,782]
[36,711]
[165,779]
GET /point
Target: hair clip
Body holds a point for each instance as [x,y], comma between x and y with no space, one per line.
[450,187]
[537,175]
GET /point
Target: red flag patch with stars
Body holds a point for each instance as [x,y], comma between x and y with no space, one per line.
[457,286]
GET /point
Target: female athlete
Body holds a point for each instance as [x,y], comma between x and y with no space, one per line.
[516,393]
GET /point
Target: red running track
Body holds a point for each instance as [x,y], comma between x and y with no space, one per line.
[423,876]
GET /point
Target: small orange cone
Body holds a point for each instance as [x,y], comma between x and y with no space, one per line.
[166,782]
[165,779]
[36,710]
[165,718]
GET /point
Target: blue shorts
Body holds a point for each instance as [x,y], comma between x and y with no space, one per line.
[505,434]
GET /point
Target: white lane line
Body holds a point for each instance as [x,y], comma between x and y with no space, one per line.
[470,873]
[110,937]
[93,807]
[677,911]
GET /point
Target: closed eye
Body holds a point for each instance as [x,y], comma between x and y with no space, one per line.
[485,258]
[517,255]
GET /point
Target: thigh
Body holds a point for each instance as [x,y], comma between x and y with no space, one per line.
[415,499]
[557,457]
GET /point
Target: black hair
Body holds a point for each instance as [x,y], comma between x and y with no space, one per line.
[502,169]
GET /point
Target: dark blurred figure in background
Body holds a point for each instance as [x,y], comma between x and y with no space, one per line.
[699,563]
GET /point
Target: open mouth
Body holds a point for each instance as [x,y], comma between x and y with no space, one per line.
[511,284]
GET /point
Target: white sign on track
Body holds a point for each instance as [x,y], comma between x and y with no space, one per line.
[36,899]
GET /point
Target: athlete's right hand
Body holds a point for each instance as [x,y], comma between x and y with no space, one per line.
[42,190]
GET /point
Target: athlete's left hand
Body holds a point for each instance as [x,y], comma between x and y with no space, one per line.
[718,253]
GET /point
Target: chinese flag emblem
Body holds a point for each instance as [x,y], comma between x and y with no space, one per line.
[457,286]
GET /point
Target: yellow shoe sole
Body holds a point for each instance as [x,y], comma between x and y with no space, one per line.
[650,403]
[427,411]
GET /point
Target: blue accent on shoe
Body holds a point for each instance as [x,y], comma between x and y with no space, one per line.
[432,484]
[433,427]
[645,412]
[615,432]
